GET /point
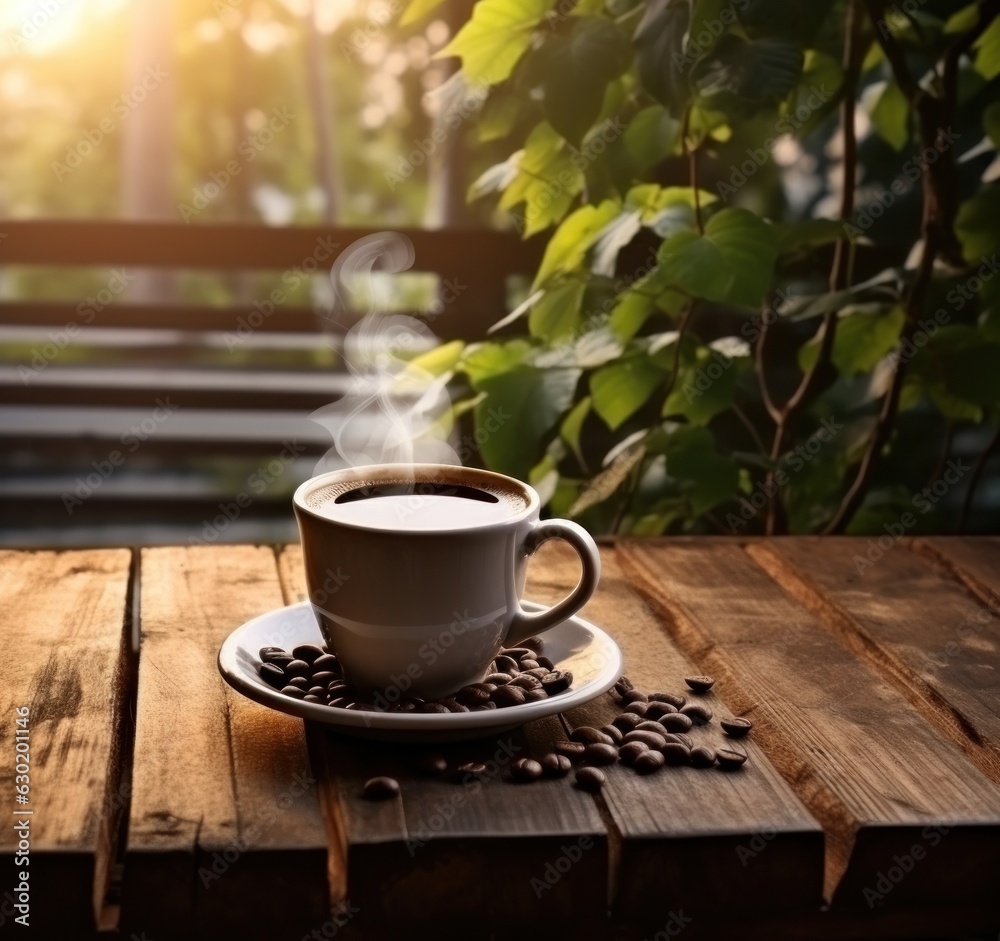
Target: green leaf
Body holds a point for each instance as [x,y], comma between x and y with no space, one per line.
[578,68]
[631,312]
[988,52]
[568,246]
[866,333]
[498,116]
[485,360]
[651,136]
[520,408]
[733,261]
[588,350]
[991,122]
[417,10]
[441,359]
[499,33]
[805,234]
[557,314]
[547,181]
[780,18]
[707,478]
[659,52]
[496,178]
[621,389]
[703,388]
[976,224]
[890,113]
[740,77]
[612,239]
[572,427]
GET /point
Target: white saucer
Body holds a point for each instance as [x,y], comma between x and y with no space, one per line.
[576,645]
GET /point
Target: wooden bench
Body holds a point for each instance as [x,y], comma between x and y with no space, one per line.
[167,806]
[95,374]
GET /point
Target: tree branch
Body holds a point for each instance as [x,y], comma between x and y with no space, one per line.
[977,470]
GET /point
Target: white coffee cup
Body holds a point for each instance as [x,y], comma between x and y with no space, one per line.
[416,572]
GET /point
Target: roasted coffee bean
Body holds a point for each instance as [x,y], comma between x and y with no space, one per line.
[634,695]
[736,728]
[535,695]
[545,662]
[648,762]
[484,707]
[623,684]
[318,691]
[454,705]
[476,768]
[525,769]
[528,664]
[627,721]
[506,665]
[670,698]
[267,653]
[613,733]
[571,750]
[637,709]
[533,643]
[676,754]
[339,688]
[685,740]
[730,760]
[433,763]
[555,765]
[434,707]
[325,678]
[539,673]
[328,662]
[381,788]
[310,697]
[475,694]
[669,737]
[697,713]
[676,722]
[600,754]
[590,736]
[702,757]
[298,668]
[498,679]
[523,681]
[700,684]
[650,739]
[647,726]
[657,710]
[308,652]
[507,696]
[557,681]
[590,779]
[300,681]
[293,691]
[273,675]
[339,702]
[518,653]
[630,751]
[405,705]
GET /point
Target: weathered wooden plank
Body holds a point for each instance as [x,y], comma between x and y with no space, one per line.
[707,842]
[914,624]
[225,828]
[895,798]
[452,852]
[973,560]
[64,662]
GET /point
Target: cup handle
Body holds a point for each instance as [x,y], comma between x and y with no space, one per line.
[525,624]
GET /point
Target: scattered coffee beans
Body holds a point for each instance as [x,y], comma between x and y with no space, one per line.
[700,684]
[697,713]
[702,757]
[613,732]
[676,754]
[676,722]
[649,739]
[525,769]
[590,779]
[669,698]
[627,721]
[273,675]
[600,754]
[555,765]
[628,753]
[381,788]
[634,695]
[730,760]
[736,728]
[476,768]
[589,736]
[307,652]
[648,762]
[571,750]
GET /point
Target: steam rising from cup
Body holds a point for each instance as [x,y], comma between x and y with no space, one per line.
[394,412]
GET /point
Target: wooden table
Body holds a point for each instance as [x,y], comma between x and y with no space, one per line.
[167,806]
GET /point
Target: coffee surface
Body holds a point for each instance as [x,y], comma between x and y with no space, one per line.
[416,507]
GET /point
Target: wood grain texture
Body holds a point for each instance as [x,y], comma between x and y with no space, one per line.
[883,781]
[913,622]
[225,828]
[457,853]
[705,841]
[64,659]
[973,560]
